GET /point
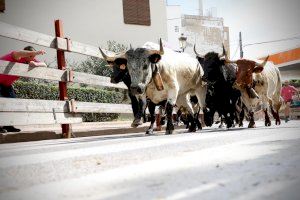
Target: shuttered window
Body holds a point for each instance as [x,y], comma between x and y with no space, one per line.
[136,12]
[2,5]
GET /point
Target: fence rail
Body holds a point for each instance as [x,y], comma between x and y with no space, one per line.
[25,70]
[25,35]
[65,111]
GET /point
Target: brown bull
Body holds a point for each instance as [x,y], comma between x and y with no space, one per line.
[259,83]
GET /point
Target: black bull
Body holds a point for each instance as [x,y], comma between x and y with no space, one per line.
[221,97]
[138,105]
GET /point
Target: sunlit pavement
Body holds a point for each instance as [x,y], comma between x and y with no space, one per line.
[240,163]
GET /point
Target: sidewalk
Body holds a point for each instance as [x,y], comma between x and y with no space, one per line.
[46,132]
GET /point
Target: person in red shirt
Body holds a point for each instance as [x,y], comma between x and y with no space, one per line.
[26,56]
[287,93]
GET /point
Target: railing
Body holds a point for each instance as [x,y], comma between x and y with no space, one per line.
[65,112]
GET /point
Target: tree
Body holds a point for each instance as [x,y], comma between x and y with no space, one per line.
[98,66]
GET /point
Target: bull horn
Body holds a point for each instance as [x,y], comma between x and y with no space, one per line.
[160,51]
[197,54]
[229,61]
[263,63]
[107,58]
[223,53]
[130,46]
[161,48]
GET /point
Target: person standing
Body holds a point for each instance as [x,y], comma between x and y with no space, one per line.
[287,93]
[26,56]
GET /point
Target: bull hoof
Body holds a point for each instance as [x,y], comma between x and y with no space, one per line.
[136,123]
[149,132]
[192,129]
[169,132]
[278,122]
[251,125]
[267,123]
[200,127]
[229,126]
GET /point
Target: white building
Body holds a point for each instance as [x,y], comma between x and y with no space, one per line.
[91,22]
[174,26]
[207,32]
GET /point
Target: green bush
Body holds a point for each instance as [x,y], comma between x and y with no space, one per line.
[29,90]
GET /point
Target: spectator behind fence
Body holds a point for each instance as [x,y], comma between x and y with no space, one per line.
[287,93]
[26,56]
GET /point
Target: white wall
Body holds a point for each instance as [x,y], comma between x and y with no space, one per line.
[173,20]
[92,22]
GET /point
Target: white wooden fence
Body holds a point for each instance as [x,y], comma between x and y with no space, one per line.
[65,112]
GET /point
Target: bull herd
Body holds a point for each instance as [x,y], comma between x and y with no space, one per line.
[156,75]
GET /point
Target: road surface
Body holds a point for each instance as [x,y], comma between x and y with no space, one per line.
[240,163]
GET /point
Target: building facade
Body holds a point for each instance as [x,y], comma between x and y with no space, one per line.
[207,32]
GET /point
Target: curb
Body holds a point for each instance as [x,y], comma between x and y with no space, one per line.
[48,135]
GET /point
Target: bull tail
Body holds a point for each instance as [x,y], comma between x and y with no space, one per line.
[277,97]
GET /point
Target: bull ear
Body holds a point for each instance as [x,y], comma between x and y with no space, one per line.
[260,67]
[201,60]
[121,62]
[154,58]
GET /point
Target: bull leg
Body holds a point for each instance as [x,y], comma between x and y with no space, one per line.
[151,107]
[241,117]
[228,119]
[267,118]
[137,110]
[275,113]
[158,120]
[198,123]
[221,121]
[276,116]
[192,127]
[252,122]
[170,126]
[208,116]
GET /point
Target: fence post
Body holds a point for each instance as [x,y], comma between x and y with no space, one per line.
[61,63]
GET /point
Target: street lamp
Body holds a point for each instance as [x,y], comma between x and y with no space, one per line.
[182,42]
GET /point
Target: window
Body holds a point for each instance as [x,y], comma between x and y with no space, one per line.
[176,29]
[2,5]
[136,12]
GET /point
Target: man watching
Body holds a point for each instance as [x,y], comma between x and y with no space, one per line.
[26,56]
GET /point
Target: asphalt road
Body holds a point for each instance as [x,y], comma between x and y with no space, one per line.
[240,163]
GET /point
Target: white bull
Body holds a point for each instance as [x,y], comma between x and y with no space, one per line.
[180,74]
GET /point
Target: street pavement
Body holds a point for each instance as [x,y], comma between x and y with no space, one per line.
[239,163]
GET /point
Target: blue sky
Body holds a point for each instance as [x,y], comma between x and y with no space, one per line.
[258,20]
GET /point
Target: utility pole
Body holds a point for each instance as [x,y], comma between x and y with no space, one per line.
[241,46]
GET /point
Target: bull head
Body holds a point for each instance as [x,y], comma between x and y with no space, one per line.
[244,79]
[118,64]
[212,65]
[142,66]
[137,62]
